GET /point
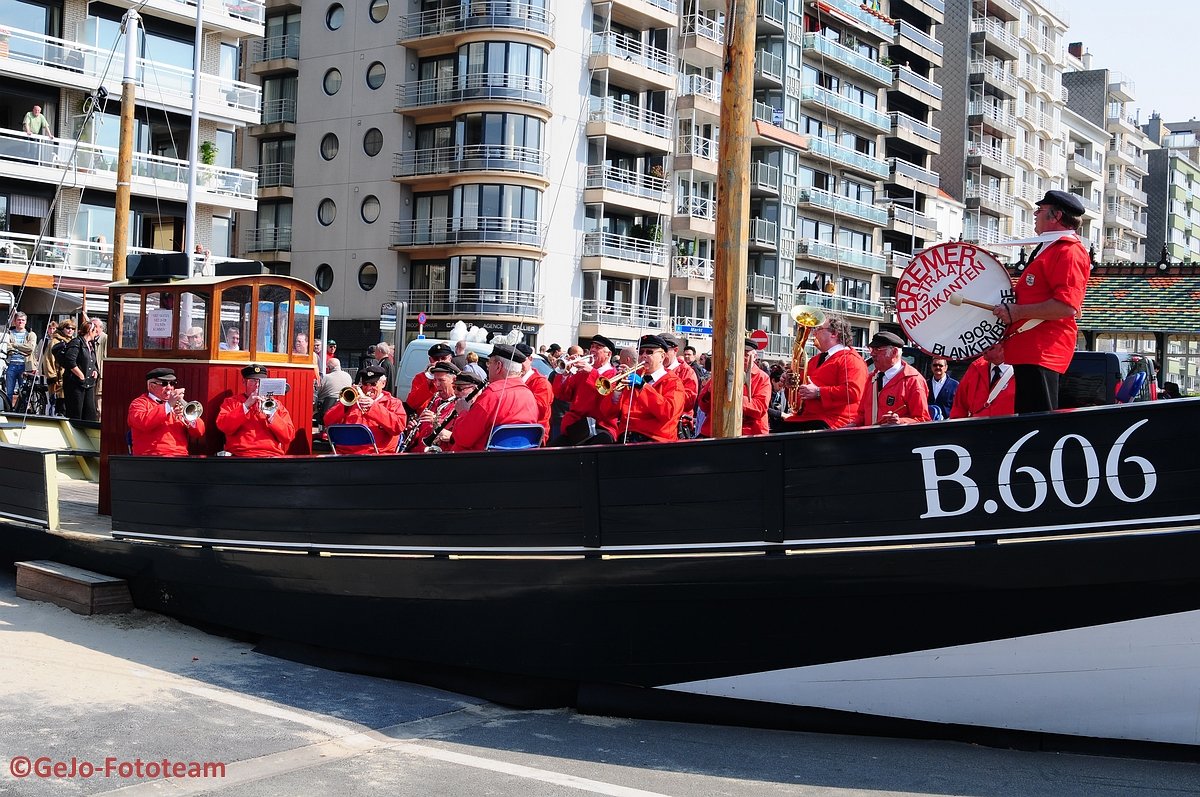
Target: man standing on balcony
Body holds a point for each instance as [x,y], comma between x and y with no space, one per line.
[36,126]
[1049,294]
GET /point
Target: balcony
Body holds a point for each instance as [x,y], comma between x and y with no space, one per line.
[914,223]
[1128,188]
[920,89]
[74,65]
[243,17]
[267,239]
[497,158]
[995,118]
[1124,123]
[477,15]
[768,70]
[624,248]
[853,111]
[760,289]
[764,179]
[695,215]
[278,112]
[861,65]
[61,257]
[912,176]
[493,86]
[1092,167]
[998,41]
[699,95]
[914,131]
[762,234]
[854,12]
[641,66]
[989,198]
[1121,88]
[1087,201]
[473,302]
[992,159]
[95,167]
[702,40]
[772,14]
[1007,10]
[469,230]
[994,75]
[696,153]
[275,48]
[630,183]
[840,255]
[692,275]
[848,157]
[646,14]
[918,43]
[841,304]
[626,315]
[606,112]
[820,198]
[276,175]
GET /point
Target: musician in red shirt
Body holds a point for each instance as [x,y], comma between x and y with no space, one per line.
[156,419]
[422,386]
[649,409]
[436,410]
[836,380]
[586,403]
[539,386]
[249,429]
[756,397]
[987,388]
[376,409]
[504,401]
[1040,339]
[897,393]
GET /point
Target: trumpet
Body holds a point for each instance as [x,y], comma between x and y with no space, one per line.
[606,385]
[192,411]
[349,396]
[270,406]
[567,365]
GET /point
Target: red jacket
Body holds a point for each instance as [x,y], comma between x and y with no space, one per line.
[385,418]
[842,379]
[691,385]
[973,391]
[1060,271]
[543,394]
[442,409]
[755,401]
[500,403]
[652,410]
[580,390]
[420,394]
[251,434]
[906,395]
[157,431]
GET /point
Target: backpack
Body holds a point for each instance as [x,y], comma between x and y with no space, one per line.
[59,350]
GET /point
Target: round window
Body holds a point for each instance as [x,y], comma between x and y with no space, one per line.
[335,16]
[370,209]
[326,211]
[372,141]
[376,74]
[324,277]
[368,276]
[332,82]
[329,146]
[379,10]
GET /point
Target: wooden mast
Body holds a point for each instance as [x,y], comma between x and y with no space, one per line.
[733,206]
[125,152]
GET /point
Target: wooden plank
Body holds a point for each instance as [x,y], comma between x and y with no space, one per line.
[81,591]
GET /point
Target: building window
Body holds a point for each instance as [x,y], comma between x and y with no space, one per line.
[332,81]
[379,10]
[373,142]
[335,16]
[376,74]
[329,146]
[368,276]
[324,277]
[326,211]
[370,209]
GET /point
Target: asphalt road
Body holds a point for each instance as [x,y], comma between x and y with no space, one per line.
[110,692]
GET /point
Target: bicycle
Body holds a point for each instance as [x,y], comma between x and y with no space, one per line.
[32,395]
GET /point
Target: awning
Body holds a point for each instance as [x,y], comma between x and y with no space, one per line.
[25,205]
[47,301]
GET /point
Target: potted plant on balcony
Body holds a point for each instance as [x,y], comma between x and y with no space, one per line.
[208,157]
[657,171]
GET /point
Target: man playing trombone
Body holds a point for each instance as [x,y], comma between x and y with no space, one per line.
[160,422]
[368,403]
[255,425]
[644,403]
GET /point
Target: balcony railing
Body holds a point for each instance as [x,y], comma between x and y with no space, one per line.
[624,247]
[909,216]
[991,152]
[844,106]
[17,147]
[906,75]
[475,86]
[902,121]
[760,288]
[1120,245]
[459,302]
[994,71]
[847,156]
[607,109]
[621,314]
[981,235]
[1084,162]
[847,57]
[698,147]
[858,13]
[470,158]
[990,194]
[996,113]
[840,304]
[906,31]
[467,230]
[766,113]
[276,175]
[693,267]
[819,250]
[477,15]
[841,204]
[769,65]
[697,207]
[250,10]
[705,27]
[699,86]
[267,239]
[913,171]
[279,111]
[60,255]
[763,232]
[633,51]
[995,30]
[274,47]
[162,82]
[764,175]
[691,321]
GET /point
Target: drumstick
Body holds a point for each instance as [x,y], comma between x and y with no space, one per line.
[958,299]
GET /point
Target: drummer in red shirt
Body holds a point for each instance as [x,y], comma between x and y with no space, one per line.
[649,409]
[156,420]
[504,401]
[250,430]
[376,409]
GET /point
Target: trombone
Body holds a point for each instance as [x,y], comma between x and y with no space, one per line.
[606,385]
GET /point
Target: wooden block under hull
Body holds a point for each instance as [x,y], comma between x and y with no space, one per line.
[74,588]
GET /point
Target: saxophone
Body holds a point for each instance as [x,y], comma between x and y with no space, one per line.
[409,438]
[807,319]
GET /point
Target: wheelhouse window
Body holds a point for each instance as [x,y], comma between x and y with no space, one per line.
[193,321]
[235,319]
[272,321]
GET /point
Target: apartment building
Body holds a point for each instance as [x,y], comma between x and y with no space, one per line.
[1085,145]
[57,198]
[1173,190]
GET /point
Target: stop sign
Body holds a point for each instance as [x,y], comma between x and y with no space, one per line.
[759,337]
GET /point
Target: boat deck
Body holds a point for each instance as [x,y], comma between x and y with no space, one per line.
[77,500]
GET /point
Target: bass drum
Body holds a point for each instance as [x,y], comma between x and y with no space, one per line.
[944,300]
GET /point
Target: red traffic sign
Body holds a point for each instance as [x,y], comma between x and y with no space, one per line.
[421,317]
[759,337]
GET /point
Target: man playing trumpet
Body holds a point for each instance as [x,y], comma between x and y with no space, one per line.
[255,425]
[368,403]
[645,404]
[160,422]
[579,390]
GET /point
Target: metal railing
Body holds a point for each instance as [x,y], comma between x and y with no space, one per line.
[477,15]
[274,47]
[607,109]
[624,247]
[991,152]
[763,232]
[1084,162]
[847,57]
[902,121]
[698,147]
[764,175]
[847,156]
[634,51]
[698,24]
[279,111]
[267,239]
[760,287]
[990,194]
[844,106]
[697,207]
[840,204]
[857,12]
[995,30]
[914,171]
[625,181]
[61,255]
[474,301]
[981,235]
[699,86]
[467,230]
[994,71]
[276,175]
[820,250]
[841,304]
[693,267]
[993,111]
[469,158]
[773,11]
[910,216]
[621,314]
[906,31]
[906,75]
[474,86]
[768,65]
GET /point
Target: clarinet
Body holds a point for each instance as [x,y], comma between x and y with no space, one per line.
[427,441]
[410,431]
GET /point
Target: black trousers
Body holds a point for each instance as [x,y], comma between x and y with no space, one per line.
[1036,390]
[81,401]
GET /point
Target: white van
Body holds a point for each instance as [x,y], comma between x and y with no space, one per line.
[416,360]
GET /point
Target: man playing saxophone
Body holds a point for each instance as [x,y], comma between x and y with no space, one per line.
[160,422]
[255,425]
[368,403]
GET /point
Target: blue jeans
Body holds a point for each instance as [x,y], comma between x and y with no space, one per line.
[12,381]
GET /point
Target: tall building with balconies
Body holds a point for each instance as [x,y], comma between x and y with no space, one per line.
[1173,190]
[1085,145]
[57,199]
[1105,98]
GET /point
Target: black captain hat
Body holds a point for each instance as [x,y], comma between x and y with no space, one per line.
[506,352]
[652,342]
[370,373]
[603,341]
[254,371]
[467,378]
[1064,200]
[440,350]
[444,368]
[884,338]
[161,374]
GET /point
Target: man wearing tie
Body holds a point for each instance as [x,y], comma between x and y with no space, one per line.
[987,388]
[896,393]
[941,389]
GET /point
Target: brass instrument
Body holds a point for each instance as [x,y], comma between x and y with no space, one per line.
[607,385]
[270,406]
[349,396]
[192,411]
[807,319]
[567,365]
